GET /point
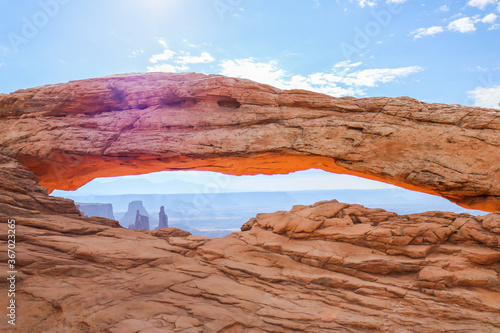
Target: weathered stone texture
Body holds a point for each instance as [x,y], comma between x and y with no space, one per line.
[68,134]
[329,267]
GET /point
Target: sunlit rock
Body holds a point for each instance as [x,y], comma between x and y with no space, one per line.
[68,134]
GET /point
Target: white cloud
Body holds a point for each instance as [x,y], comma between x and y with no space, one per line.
[189,44]
[135,53]
[341,81]
[177,62]
[486,97]
[490,18]
[373,3]
[463,25]
[204,58]
[372,77]
[162,42]
[364,3]
[167,68]
[444,8]
[164,56]
[269,73]
[481,4]
[419,33]
[264,72]
[476,18]
[347,64]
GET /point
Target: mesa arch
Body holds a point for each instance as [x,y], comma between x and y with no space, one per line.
[68,134]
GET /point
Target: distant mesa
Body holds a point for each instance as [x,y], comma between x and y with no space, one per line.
[130,216]
[141,222]
[96,209]
[137,217]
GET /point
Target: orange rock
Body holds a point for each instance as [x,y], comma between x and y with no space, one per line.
[327,267]
[68,134]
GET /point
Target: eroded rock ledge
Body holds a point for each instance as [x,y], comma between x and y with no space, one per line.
[68,134]
[326,267]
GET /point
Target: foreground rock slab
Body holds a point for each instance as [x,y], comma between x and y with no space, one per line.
[69,134]
[329,267]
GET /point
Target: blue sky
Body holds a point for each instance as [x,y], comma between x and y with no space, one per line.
[436,51]
[172,182]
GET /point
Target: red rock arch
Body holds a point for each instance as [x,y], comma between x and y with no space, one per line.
[69,134]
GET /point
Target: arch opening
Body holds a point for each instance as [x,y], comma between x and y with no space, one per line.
[213,204]
[69,172]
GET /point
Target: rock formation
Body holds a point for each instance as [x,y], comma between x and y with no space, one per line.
[163,218]
[141,222]
[131,214]
[329,267]
[93,209]
[82,213]
[68,134]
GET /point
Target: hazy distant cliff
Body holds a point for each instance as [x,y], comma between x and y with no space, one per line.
[96,209]
[130,215]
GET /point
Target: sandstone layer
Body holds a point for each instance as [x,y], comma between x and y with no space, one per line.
[68,134]
[329,267]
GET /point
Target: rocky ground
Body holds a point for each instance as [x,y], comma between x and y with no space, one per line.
[326,267]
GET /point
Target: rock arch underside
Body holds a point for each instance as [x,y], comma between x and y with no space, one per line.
[326,267]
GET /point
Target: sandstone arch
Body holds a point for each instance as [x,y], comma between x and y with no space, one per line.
[345,267]
[68,134]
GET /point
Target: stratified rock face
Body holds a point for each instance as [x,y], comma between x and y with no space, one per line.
[162,218]
[329,267]
[68,134]
[93,209]
[21,195]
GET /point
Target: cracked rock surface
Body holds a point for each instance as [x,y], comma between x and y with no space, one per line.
[329,267]
[68,134]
